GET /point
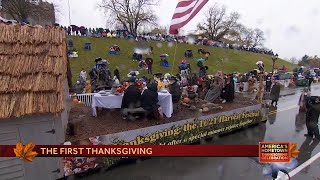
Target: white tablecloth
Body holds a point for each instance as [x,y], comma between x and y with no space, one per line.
[114,102]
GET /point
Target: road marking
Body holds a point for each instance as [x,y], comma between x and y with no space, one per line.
[294,172]
[304,165]
[283,109]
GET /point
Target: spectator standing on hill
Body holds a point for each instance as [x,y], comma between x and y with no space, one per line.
[151,50]
[69,30]
[207,56]
[149,62]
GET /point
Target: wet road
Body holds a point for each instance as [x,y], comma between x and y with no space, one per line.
[285,125]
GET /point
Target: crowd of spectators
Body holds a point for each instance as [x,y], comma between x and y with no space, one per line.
[101,32]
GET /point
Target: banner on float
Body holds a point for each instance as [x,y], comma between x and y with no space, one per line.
[29,151]
[186,131]
[267,151]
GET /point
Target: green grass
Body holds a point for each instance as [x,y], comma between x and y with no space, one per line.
[233,60]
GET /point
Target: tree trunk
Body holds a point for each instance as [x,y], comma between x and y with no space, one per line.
[136,28]
[133,31]
[211,36]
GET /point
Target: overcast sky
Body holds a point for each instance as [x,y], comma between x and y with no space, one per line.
[292,27]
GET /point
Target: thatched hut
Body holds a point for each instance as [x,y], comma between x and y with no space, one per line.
[33,95]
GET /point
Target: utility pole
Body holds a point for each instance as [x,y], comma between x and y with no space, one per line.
[69,12]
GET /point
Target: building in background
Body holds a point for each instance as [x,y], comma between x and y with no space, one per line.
[39,12]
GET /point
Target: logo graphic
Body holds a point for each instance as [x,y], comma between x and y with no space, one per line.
[293,150]
[25,152]
[270,152]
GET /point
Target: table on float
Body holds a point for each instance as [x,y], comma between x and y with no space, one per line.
[114,102]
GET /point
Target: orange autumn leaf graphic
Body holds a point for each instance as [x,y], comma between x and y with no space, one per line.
[25,152]
[293,150]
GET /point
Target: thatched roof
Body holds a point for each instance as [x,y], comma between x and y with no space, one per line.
[33,66]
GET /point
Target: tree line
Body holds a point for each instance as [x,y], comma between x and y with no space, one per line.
[312,61]
[132,15]
[218,24]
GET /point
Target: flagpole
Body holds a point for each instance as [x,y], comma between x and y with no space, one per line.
[69,13]
[174,58]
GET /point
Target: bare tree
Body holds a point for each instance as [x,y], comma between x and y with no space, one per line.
[214,21]
[45,11]
[22,10]
[248,37]
[218,23]
[131,13]
[258,37]
[19,10]
[243,35]
[315,63]
[229,24]
[293,60]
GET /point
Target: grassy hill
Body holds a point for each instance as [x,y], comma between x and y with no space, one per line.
[220,59]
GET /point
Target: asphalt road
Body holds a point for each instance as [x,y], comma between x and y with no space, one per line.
[284,125]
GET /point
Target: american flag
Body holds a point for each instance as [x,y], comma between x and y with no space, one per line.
[184,12]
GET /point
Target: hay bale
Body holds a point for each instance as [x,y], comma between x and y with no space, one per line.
[33,70]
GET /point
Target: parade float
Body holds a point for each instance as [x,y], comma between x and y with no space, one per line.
[302,75]
[191,122]
[302,81]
